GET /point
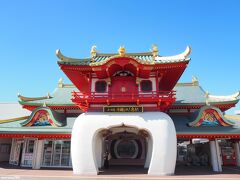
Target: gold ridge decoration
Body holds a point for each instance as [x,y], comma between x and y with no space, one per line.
[122,51]
[118,56]
[60,82]
[93,51]
[195,81]
[154,50]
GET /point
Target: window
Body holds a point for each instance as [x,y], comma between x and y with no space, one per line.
[146,85]
[56,153]
[101,86]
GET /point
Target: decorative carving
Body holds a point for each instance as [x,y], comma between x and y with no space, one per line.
[210,116]
[209,119]
[42,119]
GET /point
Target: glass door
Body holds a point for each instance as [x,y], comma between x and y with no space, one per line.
[65,160]
[57,153]
[16,152]
[28,152]
[47,153]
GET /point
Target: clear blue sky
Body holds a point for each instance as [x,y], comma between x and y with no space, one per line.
[31,31]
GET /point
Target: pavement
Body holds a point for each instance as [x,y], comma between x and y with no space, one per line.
[8,172]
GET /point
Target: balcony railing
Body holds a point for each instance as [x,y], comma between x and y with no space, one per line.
[124,97]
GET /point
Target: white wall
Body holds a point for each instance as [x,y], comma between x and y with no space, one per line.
[162,158]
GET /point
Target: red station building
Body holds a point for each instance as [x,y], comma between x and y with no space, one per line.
[114,95]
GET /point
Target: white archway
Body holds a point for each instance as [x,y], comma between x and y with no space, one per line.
[86,145]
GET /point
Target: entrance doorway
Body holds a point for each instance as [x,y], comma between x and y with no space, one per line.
[93,130]
[124,147]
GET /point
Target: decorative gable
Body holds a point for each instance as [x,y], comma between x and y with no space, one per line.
[209,116]
[43,116]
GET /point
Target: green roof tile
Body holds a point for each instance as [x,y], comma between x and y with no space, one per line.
[186,94]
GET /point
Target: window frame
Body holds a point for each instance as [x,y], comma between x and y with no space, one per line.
[141,89]
[96,86]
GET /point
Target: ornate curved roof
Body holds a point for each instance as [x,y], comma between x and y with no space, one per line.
[186,94]
[198,115]
[180,57]
[233,97]
[142,58]
[23,98]
[56,119]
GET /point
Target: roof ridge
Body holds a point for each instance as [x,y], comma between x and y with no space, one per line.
[130,54]
[186,84]
[24,98]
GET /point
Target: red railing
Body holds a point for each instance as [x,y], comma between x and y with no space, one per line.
[124,97]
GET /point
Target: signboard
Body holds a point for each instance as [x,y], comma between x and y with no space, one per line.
[28,156]
[122,109]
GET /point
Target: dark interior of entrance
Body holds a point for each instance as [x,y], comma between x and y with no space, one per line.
[124,149]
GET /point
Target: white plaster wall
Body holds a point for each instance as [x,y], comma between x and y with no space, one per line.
[159,125]
[149,152]
[97,149]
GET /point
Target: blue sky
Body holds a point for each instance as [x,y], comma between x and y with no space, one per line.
[31,31]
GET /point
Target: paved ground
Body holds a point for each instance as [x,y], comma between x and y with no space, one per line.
[182,172]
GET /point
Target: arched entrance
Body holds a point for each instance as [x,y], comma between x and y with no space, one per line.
[91,129]
[124,145]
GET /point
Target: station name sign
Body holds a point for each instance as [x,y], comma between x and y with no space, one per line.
[122,109]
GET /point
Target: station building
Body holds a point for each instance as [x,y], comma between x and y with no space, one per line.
[123,109]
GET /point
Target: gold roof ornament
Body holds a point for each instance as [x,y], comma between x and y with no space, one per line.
[154,50]
[93,51]
[44,104]
[48,95]
[207,98]
[121,51]
[195,81]
[60,82]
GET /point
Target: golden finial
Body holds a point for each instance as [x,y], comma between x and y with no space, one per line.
[154,50]
[195,81]
[48,95]
[44,104]
[60,82]
[207,98]
[207,94]
[121,51]
[93,51]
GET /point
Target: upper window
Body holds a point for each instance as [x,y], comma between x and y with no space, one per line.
[146,85]
[101,86]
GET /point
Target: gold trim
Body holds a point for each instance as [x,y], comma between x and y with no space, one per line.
[232,117]
[13,119]
[121,109]
[23,98]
